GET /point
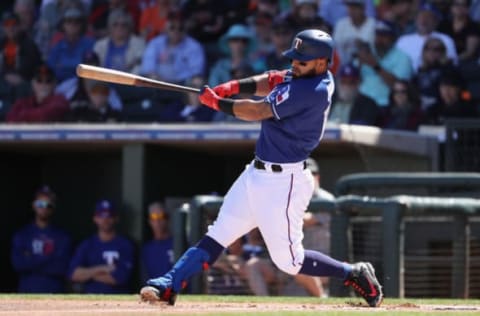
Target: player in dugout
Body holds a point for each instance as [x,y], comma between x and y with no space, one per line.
[275,189]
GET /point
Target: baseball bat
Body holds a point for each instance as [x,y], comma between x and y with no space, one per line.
[125,78]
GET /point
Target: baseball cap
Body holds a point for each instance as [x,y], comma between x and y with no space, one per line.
[44,73]
[46,191]
[300,2]
[354,2]
[73,13]
[385,27]
[429,7]
[349,71]
[312,165]
[104,208]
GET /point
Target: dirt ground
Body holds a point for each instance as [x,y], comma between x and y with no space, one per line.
[74,307]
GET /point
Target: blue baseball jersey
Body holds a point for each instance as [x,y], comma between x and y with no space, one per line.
[300,107]
[118,252]
[157,257]
[41,257]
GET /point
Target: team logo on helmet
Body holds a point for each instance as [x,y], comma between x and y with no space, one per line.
[297,42]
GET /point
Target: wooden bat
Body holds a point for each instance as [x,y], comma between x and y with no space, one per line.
[121,77]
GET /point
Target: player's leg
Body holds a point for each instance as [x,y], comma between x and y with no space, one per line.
[284,240]
[232,222]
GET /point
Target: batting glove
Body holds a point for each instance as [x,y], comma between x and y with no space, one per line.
[275,77]
[209,98]
[227,89]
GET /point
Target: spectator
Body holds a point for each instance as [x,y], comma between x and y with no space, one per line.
[334,10]
[121,49]
[464,32]
[401,13]
[25,10]
[100,12]
[18,57]
[281,35]
[317,225]
[434,63]
[353,29]
[103,263]
[157,254]
[41,251]
[96,108]
[205,22]
[174,56]
[302,14]
[68,52]
[454,100]
[426,22]
[237,43]
[382,64]
[261,25]
[475,10]
[153,19]
[240,71]
[349,106]
[191,110]
[403,112]
[43,105]
[49,19]
[74,89]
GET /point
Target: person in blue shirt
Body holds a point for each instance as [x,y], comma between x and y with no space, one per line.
[275,189]
[40,251]
[157,254]
[68,52]
[103,263]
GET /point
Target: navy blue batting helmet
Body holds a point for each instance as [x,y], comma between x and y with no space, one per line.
[311,44]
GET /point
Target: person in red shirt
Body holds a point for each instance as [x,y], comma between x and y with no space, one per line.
[42,105]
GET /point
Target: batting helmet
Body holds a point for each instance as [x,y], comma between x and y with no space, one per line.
[311,44]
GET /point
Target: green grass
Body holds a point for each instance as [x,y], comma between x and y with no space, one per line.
[389,306]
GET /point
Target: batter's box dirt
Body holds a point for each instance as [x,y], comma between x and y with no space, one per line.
[131,305]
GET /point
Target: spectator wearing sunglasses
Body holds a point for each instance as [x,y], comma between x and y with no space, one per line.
[43,105]
[40,251]
[157,254]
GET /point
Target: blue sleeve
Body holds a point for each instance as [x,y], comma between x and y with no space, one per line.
[124,267]
[196,61]
[148,59]
[53,56]
[23,260]
[79,259]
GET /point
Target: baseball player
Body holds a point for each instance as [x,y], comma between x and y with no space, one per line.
[275,189]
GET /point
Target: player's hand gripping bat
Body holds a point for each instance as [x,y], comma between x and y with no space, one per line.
[121,77]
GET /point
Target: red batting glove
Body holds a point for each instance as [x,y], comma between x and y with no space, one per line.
[275,77]
[227,89]
[209,98]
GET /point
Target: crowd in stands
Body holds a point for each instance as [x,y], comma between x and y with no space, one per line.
[397,64]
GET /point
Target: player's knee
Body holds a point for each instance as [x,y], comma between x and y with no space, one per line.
[287,265]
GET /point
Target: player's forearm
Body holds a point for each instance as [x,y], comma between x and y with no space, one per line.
[250,110]
[261,81]
[81,274]
[105,278]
